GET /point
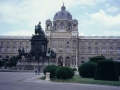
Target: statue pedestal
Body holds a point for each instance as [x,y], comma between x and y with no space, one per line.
[18,68]
[47,76]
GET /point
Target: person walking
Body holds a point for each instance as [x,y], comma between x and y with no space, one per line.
[38,70]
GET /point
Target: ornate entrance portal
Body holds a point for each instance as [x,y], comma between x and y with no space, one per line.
[67,61]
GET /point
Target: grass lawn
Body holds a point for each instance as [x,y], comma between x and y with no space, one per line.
[78,79]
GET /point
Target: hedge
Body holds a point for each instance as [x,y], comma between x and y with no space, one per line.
[87,69]
[64,73]
[118,67]
[106,70]
[51,69]
[97,58]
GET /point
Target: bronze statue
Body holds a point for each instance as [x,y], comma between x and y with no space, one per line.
[38,29]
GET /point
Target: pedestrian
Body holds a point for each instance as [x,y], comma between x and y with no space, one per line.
[38,70]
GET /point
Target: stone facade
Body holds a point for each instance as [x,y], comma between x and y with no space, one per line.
[64,39]
[9,45]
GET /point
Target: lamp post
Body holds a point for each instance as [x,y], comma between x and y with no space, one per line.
[71,57]
[76,60]
[48,55]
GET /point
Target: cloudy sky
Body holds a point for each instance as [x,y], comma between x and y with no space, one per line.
[95,17]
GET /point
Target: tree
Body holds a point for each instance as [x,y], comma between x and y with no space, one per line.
[97,58]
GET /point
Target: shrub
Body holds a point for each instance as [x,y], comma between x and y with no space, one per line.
[64,73]
[51,69]
[106,70]
[118,67]
[87,69]
[97,58]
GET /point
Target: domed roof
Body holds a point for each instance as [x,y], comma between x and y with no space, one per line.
[63,14]
[48,20]
[75,20]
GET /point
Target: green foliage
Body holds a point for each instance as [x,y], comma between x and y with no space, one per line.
[1,63]
[78,79]
[64,73]
[15,59]
[97,58]
[13,63]
[106,70]
[118,67]
[51,69]
[87,69]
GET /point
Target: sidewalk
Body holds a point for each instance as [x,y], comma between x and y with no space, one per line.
[37,79]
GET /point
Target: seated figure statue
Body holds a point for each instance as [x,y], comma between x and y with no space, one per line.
[38,29]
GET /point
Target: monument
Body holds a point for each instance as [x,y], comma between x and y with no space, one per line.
[38,55]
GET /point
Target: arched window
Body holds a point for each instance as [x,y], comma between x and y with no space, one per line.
[55,26]
[60,49]
[74,48]
[14,49]
[89,43]
[111,50]
[48,27]
[96,50]
[89,50]
[2,49]
[68,49]
[74,26]
[69,26]
[118,49]
[103,50]
[96,43]
[8,49]
[82,59]
[82,49]
[61,26]
[67,61]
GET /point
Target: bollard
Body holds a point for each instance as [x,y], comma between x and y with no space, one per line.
[47,76]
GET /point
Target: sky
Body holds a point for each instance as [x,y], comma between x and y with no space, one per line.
[95,17]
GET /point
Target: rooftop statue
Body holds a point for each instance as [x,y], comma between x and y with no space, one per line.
[38,29]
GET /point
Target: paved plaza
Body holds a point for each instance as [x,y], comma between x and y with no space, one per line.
[30,81]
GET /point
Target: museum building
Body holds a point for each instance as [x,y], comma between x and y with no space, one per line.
[64,39]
